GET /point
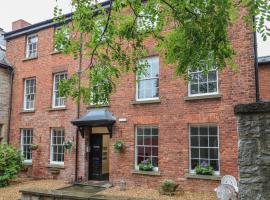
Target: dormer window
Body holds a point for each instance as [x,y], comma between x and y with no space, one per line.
[32,45]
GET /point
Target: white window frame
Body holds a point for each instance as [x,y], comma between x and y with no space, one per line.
[136,149]
[55,91]
[25,95]
[22,144]
[151,78]
[51,147]
[192,171]
[28,55]
[203,94]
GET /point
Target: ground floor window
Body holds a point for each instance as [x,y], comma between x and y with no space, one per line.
[204,146]
[57,145]
[26,142]
[146,145]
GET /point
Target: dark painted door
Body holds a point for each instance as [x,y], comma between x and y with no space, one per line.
[95,157]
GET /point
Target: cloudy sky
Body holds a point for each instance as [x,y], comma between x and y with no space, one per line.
[34,11]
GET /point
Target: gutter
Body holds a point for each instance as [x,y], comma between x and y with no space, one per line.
[10,103]
[256,64]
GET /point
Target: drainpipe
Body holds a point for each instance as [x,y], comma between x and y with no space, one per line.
[78,108]
[10,104]
[256,65]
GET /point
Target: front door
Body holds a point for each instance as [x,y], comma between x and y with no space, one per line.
[95,157]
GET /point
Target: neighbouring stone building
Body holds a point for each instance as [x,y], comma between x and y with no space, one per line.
[264,77]
[172,122]
[5,86]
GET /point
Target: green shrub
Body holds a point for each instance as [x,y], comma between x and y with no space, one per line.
[204,170]
[168,187]
[10,163]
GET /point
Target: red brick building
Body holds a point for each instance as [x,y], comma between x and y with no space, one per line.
[264,77]
[174,123]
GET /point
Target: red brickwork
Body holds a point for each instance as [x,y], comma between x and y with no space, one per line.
[264,81]
[173,114]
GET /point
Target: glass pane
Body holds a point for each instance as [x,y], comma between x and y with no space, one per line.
[139,140]
[147,131]
[147,151]
[194,163]
[140,159]
[139,131]
[212,76]
[194,89]
[213,130]
[194,78]
[204,153]
[214,164]
[155,161]
[212,87]
[194,130]
[213,141]
[213,153]
[194,142]
[140,151]
[147,140]
[203,141]
[203,130]
[194,153]
[154,131]
[155,140]
[202,77]
[154,151]
[203,88]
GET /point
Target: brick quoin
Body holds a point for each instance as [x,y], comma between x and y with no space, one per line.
[173,114]
[264,81]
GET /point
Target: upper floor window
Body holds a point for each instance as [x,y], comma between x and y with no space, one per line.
[203,84]
[29,94]
[57,146]
[26,142]
[148,82]
[146,145]
[58,101]
[31,47]
[204,146]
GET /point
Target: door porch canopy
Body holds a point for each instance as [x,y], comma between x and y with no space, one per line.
[100,117]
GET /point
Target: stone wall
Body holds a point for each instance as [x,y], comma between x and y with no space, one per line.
[254,150]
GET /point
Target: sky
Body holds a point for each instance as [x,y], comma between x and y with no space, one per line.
[34,11]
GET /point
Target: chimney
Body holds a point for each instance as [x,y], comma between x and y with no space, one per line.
[19,24]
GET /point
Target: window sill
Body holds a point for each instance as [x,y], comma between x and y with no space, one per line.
[206,177]
[31,58]
[57,109]
[27,111]
[27,163]
[56,52]
[210,96]
[150,173]
[98,106]
[152,101]
[55,166]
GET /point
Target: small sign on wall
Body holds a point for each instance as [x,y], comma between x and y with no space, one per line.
[122,120]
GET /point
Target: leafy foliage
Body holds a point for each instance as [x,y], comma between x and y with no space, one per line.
[146,165]
[188,34]
[118,145]
[204,170]
[10,163]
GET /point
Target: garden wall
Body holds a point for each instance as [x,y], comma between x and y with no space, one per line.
[254,150]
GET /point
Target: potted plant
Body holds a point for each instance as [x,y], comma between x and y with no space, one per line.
[204,169]
[146,165]
[118,145]
[168,187]
[33,147]
[68,145]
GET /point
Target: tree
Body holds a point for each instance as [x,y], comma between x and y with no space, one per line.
[113,36]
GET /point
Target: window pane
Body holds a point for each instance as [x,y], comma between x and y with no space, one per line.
[213,141]
[212,76]
[204,153]
[194,130]
[204,130]
[155,161]
[203,87]
[139,140]
[194,141]
[213,130]
[203,141]
[213,153]
[155,140]
[140,159]
[140,151]
[202,77]
[147,140]
[194,78]
[154,151]
[147,151]
[194,163]
[194,89]
[212,87]
[194,153]
[214,164]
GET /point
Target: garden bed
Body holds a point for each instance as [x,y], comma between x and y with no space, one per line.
[11,192]
[154,194]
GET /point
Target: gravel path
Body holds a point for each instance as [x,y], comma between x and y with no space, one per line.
[11,192]
[154,194]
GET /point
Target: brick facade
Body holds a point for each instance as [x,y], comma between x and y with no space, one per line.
[173,114]
[264,80]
